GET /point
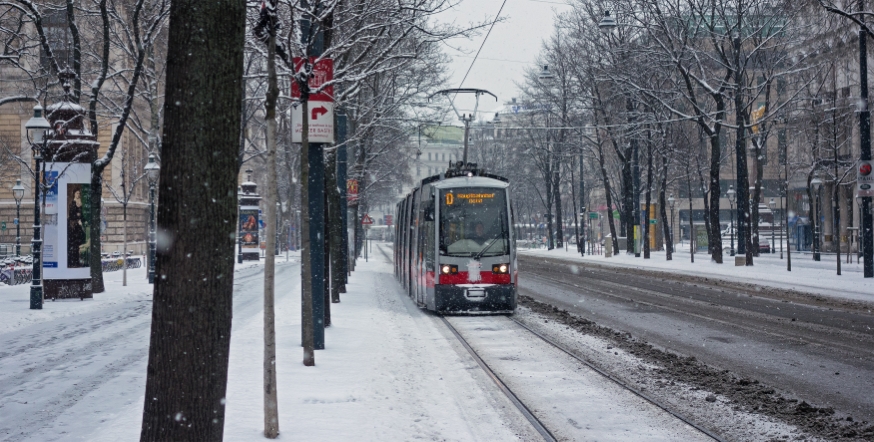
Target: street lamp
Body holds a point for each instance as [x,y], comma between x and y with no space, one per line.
[607,23]
[816,184]
[18,194]
[36,128]
[773,205]
[732,195]
[671,202]
[153,170]
[545,75]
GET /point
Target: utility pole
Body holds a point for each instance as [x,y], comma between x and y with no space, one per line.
[313,197]
[865,148]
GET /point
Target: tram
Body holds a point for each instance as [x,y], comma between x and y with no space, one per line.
[454,249]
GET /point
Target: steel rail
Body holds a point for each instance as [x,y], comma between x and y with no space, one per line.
[619,382]
[547,435]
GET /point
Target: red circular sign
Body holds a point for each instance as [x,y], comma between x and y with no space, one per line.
[865,169]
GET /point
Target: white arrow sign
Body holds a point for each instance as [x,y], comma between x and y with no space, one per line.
[321,121]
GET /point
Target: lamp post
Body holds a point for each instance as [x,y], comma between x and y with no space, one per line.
[36,127]
[816,184]
[671,202]
[546,76]
[859,235]
[153,170]
[773,205]
[18,194]
[732,195]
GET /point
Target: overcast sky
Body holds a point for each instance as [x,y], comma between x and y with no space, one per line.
[512,46]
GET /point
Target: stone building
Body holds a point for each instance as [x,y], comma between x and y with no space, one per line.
[33,76]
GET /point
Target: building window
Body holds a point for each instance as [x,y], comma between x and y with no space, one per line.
[429,156]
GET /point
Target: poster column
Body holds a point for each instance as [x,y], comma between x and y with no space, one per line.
[249,221]
[67,198]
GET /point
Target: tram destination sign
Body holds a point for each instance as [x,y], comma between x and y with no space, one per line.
[468,198]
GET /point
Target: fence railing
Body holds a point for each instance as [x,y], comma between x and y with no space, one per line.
[23,275]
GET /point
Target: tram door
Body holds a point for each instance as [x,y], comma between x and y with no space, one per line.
[426,239]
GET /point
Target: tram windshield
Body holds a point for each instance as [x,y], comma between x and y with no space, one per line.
[473,222]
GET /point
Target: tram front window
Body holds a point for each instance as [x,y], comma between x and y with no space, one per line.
[473,222]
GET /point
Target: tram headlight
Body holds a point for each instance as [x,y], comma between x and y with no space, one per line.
[502,269]
[448,269]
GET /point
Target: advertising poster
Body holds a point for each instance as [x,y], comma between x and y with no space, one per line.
[67,223]
[249,230]
[50,220]
[78,224]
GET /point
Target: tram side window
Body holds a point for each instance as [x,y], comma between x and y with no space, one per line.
[473,222]
[427,236]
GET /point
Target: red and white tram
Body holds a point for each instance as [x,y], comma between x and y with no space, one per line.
[454,246]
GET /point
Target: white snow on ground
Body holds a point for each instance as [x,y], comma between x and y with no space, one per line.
[76,370]
[573,401]
[768,270]
[387,374]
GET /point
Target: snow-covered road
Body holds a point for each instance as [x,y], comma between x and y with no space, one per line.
[75,365]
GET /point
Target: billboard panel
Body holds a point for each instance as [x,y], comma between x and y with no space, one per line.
[67,224]
[249,230]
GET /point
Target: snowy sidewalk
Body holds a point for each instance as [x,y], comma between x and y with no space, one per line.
[768,270]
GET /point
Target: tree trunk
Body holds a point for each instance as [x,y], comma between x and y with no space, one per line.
[628,203]
[757,195]
[191,315]
[271,408]
[556,193]
[306,264]
[646,229]
[549,201]
[335,233]
[609,198]
[97,285]
[666,227]
[124,239]
[715,236]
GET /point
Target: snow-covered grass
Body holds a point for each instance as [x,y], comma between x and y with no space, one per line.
[15,310]
[768,270]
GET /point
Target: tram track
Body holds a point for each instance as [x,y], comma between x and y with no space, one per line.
[765,350]
[530,415]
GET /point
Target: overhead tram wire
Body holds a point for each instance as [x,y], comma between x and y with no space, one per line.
[498,16]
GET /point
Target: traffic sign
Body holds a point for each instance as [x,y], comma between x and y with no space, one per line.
[321,121]
[388,219]
[865,178]
[593,215]
[366,220]
[15,221]
[653,221]
[352,191]
[3,225]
